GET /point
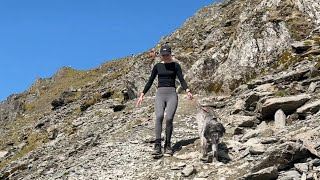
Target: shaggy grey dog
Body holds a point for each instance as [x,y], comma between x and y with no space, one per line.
[210,131]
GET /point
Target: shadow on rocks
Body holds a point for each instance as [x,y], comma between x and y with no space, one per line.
[178,145]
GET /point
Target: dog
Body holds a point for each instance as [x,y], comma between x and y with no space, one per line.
[210,131]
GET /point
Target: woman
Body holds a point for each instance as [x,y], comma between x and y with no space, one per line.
[166,97]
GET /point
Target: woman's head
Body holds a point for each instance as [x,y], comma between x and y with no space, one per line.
[165,52]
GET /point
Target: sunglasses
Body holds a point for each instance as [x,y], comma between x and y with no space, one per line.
[165,55]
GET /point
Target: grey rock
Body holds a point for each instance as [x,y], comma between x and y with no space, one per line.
[309,108]
[265,174]
[238,106]
[250,134]
[282,156]
[302,167]
[188,170]
[279,119]
[178,166]
[301,46]
[77,123]
[262,126]
[243,121]
[3,154]
[290,175]
[257,149]
[269,140]
[312,87]
[287,104]
[11,107]
[316,162]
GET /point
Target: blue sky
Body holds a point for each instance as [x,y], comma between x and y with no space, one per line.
[37,37]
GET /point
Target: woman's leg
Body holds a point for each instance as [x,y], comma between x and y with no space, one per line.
[160,105]
[172,103]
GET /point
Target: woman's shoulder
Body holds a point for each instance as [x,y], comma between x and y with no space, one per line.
[176,64]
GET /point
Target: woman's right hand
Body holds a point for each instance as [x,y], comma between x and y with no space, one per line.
[140,100]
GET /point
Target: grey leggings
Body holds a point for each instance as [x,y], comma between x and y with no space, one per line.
[166,98]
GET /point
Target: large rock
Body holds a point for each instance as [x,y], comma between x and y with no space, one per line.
[289,175]
[309,108]
[257,149]
[279,119]
[264,174]
[282,156]
[243,121]
[287,104]
[11,107]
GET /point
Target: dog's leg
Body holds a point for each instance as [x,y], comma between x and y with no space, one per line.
[204,148]
[214,152]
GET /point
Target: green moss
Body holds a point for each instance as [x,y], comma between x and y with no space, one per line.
[215,87]
[317,40]
[285,60]
[308,43]
[281,93]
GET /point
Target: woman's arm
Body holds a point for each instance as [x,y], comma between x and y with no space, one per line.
[148,85]
[151,79]
[183,82]
[181,79]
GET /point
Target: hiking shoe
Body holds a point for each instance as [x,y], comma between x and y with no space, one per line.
[168,151]
[157,150]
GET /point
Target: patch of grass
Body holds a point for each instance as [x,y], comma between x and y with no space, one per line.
[282,93]
[76,78]
[317,40]
[90,102]
[215,87]
[308,43]
[285,60]
[35,139]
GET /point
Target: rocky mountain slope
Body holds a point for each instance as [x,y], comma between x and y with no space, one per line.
[256,61]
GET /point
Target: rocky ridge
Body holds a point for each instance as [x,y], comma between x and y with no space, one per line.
[256,62]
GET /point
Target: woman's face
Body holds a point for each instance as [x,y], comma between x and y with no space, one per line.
[166,57]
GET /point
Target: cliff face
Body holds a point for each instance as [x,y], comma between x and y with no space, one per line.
[255,61]
[231,42]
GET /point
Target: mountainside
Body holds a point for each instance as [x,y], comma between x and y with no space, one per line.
[256,61]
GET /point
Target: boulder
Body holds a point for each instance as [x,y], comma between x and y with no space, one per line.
[243,121]
[265,174]
[309,108]
[287,104]
[257,149]
[282,156]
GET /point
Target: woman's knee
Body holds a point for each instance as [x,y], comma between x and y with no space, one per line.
[169,121]
[159,118]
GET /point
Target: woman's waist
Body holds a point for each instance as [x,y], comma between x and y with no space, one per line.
[166,89]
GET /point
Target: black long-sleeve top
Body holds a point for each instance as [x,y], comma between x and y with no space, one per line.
[167,73]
